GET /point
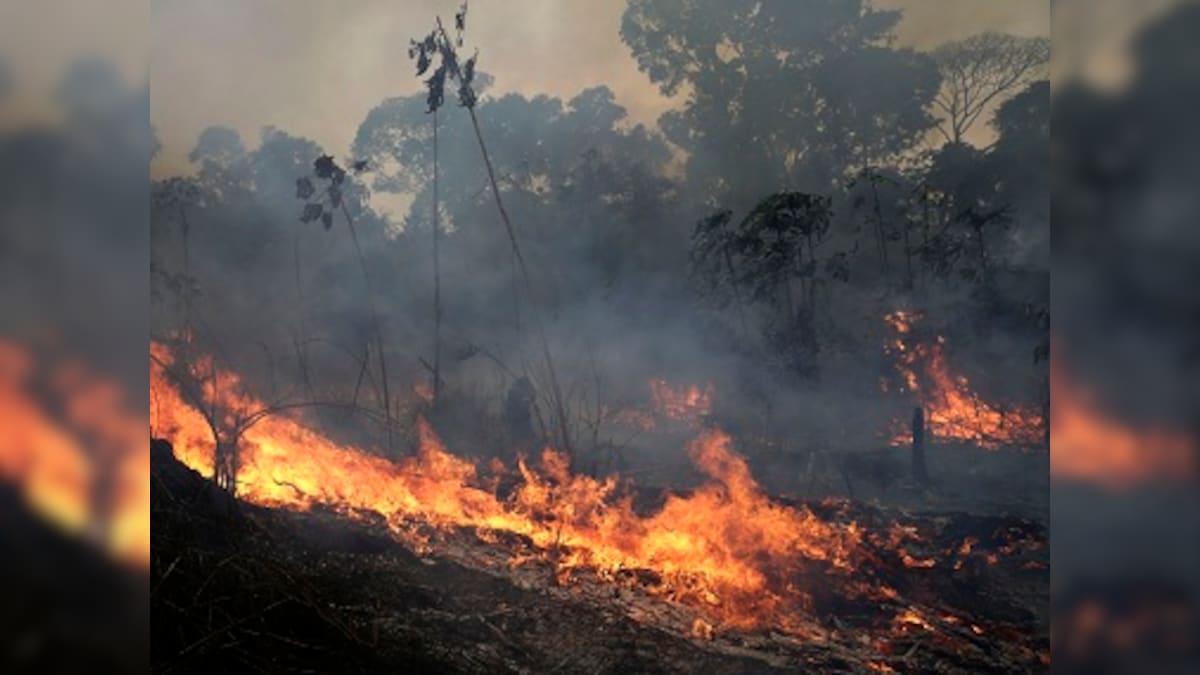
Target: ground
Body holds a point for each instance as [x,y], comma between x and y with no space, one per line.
[258,590]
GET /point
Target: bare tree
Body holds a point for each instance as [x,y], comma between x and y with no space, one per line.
[438,43]
[978,70]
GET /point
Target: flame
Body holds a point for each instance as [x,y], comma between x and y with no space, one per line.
[725,549]
[684,404]
[66,466]
[913,617]
[423,391]
[952,410]
[1088,445]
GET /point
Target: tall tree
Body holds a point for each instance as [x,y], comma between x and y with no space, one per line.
[1020,160]
[770,259]
[978,71]
[586,188]
[795,95]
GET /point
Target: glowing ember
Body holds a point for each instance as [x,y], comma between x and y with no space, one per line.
[685,404]
[912,618]
[952,410]
[96,453]
[1086,444]
[725,549]
[423,391]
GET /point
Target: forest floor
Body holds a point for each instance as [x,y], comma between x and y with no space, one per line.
[240,588]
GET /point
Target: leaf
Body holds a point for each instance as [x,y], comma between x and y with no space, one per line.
[324,166]
[304,188]
[423,62]
[466,96]
[359,166]
[335,196]
[437,88]
[327,220]
[311,212]
[468,72]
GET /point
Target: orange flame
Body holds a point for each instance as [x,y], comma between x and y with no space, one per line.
[66,466]
[1088,445]
[685,404]
[423,391]
[952,410]
[725,549]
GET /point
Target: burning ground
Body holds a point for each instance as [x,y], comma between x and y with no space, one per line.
[722,571]
[74,516]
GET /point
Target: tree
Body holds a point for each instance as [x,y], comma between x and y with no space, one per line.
[1020,161]
[990,207]
[770,259]
[979,70]
[175,196]
[451,69]
[795,95]
[586,188]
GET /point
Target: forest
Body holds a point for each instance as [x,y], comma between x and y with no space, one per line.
[764,385]
[653,336]
[756,250]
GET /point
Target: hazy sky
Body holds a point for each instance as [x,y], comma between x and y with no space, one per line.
[39,40]
[315,68]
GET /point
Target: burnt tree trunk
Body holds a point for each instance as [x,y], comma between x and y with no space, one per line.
[919,472]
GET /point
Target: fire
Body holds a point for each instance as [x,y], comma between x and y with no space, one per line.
[952,410]
[423,391]
[912,617]
[86,470]
[685,404]
[1086,444]
[725,549]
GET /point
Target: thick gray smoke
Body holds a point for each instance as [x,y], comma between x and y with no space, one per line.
[787,326]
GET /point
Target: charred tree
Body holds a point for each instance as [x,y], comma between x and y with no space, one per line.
[919,471]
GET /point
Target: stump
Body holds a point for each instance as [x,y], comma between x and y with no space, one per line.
[919,472]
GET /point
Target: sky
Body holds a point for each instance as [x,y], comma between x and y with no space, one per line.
[316,68]
[40,40]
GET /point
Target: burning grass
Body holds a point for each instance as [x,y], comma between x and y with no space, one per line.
[1091,445]
[720,563]
[83,464]
[953,410]
[725,546]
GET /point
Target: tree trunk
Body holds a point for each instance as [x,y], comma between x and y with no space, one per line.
[733,283]
[908,257]
[555,391]
[880,235]
[437,277]
[187,278]
[919,472]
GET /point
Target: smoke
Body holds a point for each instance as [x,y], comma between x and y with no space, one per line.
[1124,256]
[603,219]
[74,183]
